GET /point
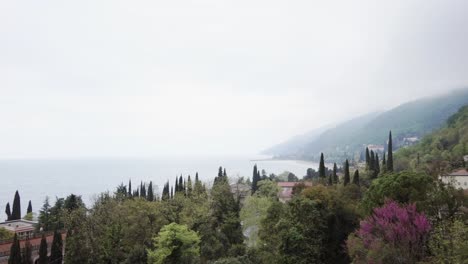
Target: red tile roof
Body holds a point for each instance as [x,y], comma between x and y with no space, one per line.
[459,172]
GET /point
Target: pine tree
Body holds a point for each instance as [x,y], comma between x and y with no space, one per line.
[346,173]
[26,257]
[29,211]
[16,214]
[176,186]
[43,259]
[322,167]
[150,196]
[56,249]
[8,211]
[255,179]
[335,173]
[220,172]
[390,153]
[15,252]
[181,184]
[356,177]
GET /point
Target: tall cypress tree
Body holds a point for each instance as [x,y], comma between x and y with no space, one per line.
[26,257]
[390,153]
[367,157]
[29,211]
[372,161]
[15,252]
[220,172]
[356,177]
[150,196]
[322,167]
[16,214]
[377,165]
[172,192]
[56,248]
[43,259]
[8,211]
[189,186]
[335,173]
[176,186]
[346,179]
[255,179]
[130,188]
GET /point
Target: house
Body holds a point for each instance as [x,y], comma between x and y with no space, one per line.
[286,189]
[22,228]
[458,177]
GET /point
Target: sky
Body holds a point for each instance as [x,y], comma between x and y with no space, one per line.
[212,77]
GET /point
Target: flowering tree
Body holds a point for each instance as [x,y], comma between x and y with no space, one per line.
[392,234]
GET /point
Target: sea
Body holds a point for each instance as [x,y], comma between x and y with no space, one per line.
[37,179]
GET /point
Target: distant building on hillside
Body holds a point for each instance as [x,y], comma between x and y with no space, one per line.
[458,177]
[22,228]
[286,189]
[409,141]
[376,148]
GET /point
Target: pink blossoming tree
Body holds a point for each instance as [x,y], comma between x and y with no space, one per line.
[392,234]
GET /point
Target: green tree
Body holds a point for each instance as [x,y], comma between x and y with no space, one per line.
[150,196]
[26,257]
[255,179]
[56,249]
[43,258]
[29,207]
[322,170]
[5,234]
[8,211]
[335,173]
[175,244]
[16,213]
[390,153]
[15,252]
[356,177]
[346,178]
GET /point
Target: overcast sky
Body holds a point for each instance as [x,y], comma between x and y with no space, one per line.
[148,78]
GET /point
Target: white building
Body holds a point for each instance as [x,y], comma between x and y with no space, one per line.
[458,177]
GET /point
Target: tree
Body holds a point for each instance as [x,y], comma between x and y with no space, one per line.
[322,167]
[356,177]
[390,153]
[376,165]
[29,211]
[8,211]
[26,257]
[43,259]
[403,187]
[15,252]
[130,188]
[189,187]
[16,213]
[346,173]
[57,248]
[150,196]
[335,173]
[175,244]
[393,234]
[367,157]
[255,179]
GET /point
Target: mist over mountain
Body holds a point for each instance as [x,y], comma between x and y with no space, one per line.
[411,120]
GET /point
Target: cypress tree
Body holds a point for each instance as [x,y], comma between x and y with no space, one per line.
[29,211]
[367,157]
[390,153]
[220,172]
[8,211]
[356,177]
[330,180]
[181,184]
[224,173]
[189,186]
[335,174]
[43,259]
[176,186]
[377,165]
[150,196]
[56,249]
[130,188]
[322,167]
[255,179]
[346,173]
[172,192]
[15,252]
[26,257]
[372,161]
[16,214]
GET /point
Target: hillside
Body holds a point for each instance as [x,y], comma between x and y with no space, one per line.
[413,119]
[440,151]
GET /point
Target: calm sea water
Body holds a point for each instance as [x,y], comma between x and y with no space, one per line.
[36,179]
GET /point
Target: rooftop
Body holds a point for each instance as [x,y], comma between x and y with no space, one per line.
[459,172]
[18,225]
